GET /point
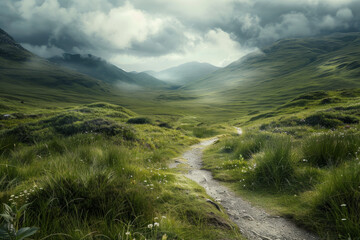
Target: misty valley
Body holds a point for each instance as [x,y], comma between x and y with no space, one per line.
[131,121]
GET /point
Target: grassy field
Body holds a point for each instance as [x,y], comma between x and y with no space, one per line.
[99,171]
[300,162]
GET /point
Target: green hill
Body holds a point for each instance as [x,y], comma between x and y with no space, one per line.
[101,69]
[24,75]
[282,71]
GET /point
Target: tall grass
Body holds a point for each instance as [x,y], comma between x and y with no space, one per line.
[336,205]
[275,168]
[331,149]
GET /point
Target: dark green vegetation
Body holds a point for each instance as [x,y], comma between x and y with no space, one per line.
[301,162]
[98,171]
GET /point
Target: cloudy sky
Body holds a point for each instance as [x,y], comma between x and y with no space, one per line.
[156,34]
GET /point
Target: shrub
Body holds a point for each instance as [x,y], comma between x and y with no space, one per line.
[97,126]
[336,205]
[330,149]
[330,100]
[165,125]
[330,120]
[64,119]
[21,134]
[312,95]
[139,120]
[323,120]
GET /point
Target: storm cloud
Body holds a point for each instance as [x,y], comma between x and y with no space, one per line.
[154,34]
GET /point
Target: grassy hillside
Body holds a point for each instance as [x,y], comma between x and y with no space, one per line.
[100,69]
[282,71]
[25,75]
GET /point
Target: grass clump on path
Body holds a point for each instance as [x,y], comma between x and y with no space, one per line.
[275,167]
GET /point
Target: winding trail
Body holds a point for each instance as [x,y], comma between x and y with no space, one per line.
[254,223]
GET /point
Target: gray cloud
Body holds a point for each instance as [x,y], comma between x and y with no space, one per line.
[265,21]
[141,29]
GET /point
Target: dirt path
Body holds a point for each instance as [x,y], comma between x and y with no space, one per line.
[253,222]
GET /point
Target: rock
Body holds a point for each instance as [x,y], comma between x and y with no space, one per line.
[248,217]
[215,204]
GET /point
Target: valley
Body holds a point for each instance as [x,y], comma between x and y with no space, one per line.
[87,149]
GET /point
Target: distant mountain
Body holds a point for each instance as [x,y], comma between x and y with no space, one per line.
[23,74]
[284,70]
[184,73]
[101,69]
[11,50]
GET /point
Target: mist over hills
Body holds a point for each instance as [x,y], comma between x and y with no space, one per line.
[185,73]
[101,69]
[285,69]
[25,74]
[261,80]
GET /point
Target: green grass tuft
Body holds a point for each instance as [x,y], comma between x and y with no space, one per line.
[336,205]
[275,167]
[330,149]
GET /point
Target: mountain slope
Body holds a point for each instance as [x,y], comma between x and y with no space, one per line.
[23,74]
[284,70]
[100,69]
[185,73]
